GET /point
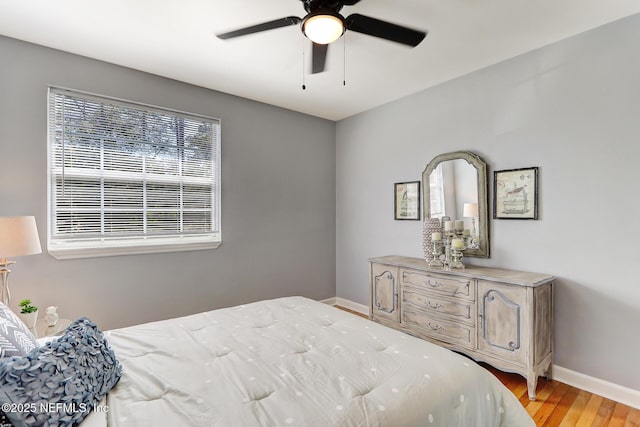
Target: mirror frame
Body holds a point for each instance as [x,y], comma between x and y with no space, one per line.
[483,201]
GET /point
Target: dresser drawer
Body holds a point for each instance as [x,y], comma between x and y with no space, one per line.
[458,287]
[455,309]
[443,330]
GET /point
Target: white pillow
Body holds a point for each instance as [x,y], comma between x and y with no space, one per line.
[15,338]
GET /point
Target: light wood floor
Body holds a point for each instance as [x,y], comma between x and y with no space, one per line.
[560,405]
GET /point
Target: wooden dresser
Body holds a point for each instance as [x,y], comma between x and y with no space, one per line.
[502,317]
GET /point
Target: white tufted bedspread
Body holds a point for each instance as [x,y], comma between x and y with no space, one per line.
[296,362]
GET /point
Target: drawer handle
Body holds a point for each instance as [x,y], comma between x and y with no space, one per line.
[434,284]
[434,306]
[434,328]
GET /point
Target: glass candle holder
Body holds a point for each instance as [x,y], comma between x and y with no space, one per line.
[435,262]
[456,259]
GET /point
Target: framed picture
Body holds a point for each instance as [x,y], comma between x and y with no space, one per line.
[407,200]
[515,194]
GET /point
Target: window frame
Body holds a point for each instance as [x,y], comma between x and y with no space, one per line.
[436,191]
[81,248]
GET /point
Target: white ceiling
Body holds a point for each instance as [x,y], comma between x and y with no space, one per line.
[176,39]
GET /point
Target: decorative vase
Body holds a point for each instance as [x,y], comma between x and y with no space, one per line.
[51,317]
[29,319]
[429,226]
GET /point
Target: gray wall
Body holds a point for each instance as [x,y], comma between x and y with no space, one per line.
[278,194]
[573,109]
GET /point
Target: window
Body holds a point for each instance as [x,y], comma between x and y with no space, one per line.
[129,178]
[436,191]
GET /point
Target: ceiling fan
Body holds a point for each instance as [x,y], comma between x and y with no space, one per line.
[323,25]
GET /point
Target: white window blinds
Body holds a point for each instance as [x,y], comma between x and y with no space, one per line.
[130,178]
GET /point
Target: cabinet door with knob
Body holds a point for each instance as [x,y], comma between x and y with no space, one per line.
[503,320]
[384,292]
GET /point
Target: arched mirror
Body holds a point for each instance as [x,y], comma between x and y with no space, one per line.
[455,185]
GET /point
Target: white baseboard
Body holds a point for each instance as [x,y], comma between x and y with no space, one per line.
[359,308]
[597,386]
[329,301]
[342,302]
[594,385]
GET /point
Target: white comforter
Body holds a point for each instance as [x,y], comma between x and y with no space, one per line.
[294,361]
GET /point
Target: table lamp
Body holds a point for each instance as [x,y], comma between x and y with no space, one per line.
[18,237]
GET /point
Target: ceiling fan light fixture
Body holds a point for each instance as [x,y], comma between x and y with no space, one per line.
[323,28]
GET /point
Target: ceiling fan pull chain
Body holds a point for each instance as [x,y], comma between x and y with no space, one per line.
[344,60]
[304,87]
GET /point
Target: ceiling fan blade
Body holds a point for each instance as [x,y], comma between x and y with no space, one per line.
[271,25]
[318,57]
[350,2]
[384,30]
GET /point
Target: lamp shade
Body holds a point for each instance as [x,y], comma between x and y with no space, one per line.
[323,28]
[18,236]
[470,210]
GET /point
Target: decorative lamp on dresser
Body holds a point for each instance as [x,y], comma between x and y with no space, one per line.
[501,317]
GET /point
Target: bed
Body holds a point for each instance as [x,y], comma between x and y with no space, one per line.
[295,361]
[288,361]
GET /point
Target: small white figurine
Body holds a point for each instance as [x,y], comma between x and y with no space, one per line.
[51,317]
